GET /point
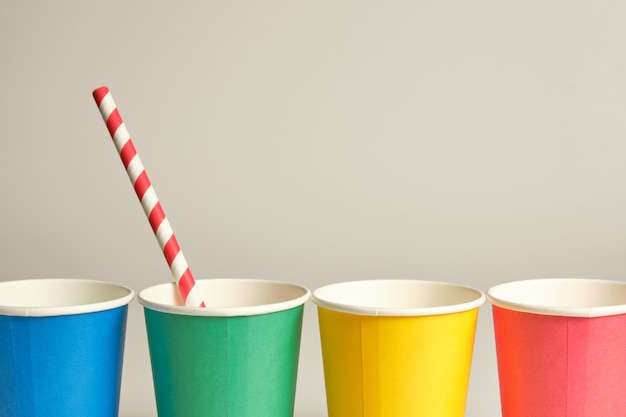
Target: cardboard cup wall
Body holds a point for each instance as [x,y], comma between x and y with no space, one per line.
[61,347]
[394,348]
[237,357]
[561,347]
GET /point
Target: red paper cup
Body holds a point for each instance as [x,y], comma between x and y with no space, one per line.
[561,347]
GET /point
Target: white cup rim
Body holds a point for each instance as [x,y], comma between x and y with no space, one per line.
[397,297]
[227,297]
[44,297]
[571,297]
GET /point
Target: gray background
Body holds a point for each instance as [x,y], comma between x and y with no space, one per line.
[314,142]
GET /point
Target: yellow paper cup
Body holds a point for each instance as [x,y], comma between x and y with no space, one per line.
[397,348]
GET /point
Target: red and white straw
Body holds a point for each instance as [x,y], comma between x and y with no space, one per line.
[148,198]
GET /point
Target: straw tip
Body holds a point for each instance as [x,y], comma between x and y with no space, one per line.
[99,93]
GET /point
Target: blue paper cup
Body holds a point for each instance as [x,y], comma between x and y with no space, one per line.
[61,347]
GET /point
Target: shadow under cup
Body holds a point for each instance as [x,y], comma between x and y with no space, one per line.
[238,357]
[61,347]
[561,347]
[397,348]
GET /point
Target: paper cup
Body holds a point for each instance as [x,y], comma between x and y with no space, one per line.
[397,348]
[561,347]
[61,347]
[238,357]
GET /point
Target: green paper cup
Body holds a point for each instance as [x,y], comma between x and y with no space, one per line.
[238,357]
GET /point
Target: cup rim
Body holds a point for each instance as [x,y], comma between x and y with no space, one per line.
[509,295]
[471,299]
[300,296]
[77,307]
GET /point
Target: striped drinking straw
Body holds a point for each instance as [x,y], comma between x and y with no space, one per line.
[148,198]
